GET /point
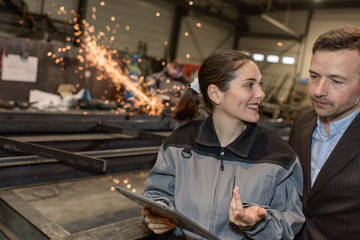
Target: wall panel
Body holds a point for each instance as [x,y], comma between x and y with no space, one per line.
[204,40]
[137,23]
[55,9]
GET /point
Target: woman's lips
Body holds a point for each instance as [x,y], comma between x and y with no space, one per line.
[253,106]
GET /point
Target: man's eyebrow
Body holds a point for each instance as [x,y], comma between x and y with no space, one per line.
[337,76]
[331,75]
[313,72]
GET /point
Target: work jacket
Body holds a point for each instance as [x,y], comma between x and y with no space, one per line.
[195,175]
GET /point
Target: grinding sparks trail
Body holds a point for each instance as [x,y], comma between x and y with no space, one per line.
[95,52]
[101,58]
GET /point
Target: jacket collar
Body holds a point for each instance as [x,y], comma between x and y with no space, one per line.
[240,146]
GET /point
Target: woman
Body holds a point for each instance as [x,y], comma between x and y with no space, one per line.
[232,177]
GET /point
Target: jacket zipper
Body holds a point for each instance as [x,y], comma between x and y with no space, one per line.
[215,199]
[222,156]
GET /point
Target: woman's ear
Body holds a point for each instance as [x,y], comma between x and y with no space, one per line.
[215,94]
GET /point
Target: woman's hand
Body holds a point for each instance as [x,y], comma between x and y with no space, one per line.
[157,223]
[246,218]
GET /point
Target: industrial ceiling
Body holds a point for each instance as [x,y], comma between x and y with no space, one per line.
[35,25]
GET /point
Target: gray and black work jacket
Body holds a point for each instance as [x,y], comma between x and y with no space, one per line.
[195,175]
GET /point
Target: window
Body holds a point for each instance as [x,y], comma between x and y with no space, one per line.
[272,58]
[288,60]
[258,57]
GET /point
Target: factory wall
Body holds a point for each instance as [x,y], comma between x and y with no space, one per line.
[52,8]
[135,24]
[144,27]
[196,42]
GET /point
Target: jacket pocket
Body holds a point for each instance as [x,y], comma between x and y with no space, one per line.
[256,188]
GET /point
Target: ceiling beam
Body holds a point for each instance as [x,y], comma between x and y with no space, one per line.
[280,25]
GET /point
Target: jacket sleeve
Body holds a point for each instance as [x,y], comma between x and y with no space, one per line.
[161,179]
[284,217]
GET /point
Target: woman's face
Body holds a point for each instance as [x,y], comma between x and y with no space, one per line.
[242,100]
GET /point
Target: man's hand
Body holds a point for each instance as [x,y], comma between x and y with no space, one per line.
[246,218]
[156,223]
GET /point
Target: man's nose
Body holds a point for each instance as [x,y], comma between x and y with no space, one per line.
[321,87]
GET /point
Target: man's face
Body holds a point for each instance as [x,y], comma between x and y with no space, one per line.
[334,83]
[175,70]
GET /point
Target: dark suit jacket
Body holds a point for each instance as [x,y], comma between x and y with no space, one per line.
[332,205]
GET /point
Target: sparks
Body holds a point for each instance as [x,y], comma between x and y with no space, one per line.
[97,54]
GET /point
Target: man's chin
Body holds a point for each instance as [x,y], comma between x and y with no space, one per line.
[322,112]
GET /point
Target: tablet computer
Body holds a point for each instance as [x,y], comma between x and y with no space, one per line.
[170,213]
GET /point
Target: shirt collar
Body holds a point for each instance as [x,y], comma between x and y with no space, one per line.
[340,125]
[240,146]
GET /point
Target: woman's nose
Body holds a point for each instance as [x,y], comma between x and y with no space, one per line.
[260,93]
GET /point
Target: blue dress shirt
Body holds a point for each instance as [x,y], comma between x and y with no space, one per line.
[322,145]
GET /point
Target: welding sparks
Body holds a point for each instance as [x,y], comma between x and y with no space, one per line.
[98,55]
[102,58]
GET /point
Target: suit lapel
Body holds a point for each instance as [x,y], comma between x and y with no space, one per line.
[346,149]
[306,149]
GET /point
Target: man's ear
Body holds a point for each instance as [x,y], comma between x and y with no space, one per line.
[215,94]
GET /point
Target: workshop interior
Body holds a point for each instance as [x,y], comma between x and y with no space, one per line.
[81,109]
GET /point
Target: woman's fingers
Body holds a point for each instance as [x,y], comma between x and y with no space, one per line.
[236,205]
[157,223]
[244,217]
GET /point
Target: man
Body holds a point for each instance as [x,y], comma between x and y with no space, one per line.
[170,83]
[327,138]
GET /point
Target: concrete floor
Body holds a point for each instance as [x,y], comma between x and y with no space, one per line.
[87,203]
